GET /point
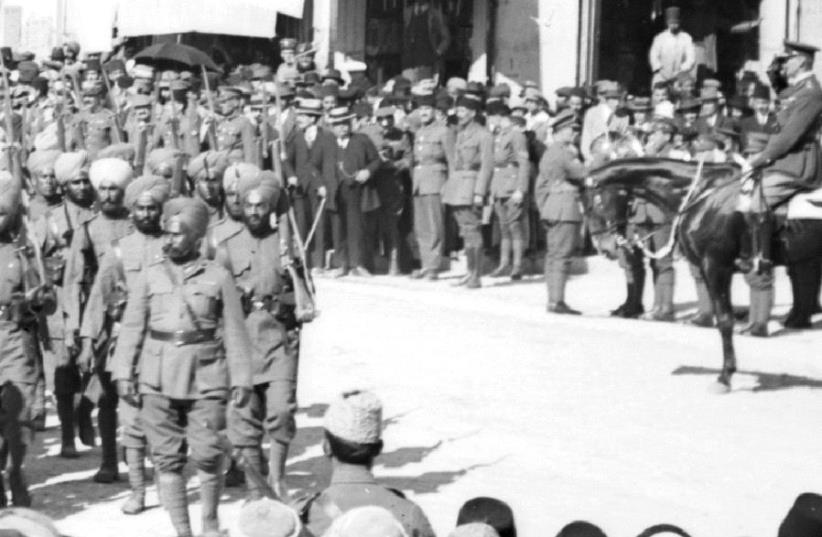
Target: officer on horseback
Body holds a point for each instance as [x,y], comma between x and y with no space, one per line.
[790,162]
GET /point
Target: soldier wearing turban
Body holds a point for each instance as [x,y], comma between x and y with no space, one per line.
[110,177]
[185,370]
[41,168]
[206,171]
[55,227]
[253,256]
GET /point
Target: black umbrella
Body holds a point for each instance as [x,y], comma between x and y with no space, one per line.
[163,53]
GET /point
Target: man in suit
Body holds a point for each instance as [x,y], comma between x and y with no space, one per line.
[309,166]
[711,118]
[602,118]
[790,163]
[357,161]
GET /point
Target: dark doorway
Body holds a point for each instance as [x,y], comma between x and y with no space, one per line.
[627,29]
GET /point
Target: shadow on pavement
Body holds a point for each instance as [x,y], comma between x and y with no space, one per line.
[765,382]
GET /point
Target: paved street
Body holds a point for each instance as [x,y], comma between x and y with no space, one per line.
[565,418]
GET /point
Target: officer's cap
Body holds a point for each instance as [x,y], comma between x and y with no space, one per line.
[795,48]
[288,43]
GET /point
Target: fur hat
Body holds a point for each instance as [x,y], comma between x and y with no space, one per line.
[355,416]
[110,171]
[69,165]
[155,186]
[192,212]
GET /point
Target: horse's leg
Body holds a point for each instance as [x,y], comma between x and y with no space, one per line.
[718,279]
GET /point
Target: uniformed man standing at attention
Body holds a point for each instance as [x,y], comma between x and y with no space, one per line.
[109,177]
[287,71]
[94,126]
[433,152]
[183,331]
[22,293]
[468,184]
[119,268]
[253,257]
[509,187]
[235,133]
[353,439]
[558,197]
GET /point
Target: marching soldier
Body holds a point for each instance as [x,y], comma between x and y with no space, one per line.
[55,229]
[468,184]
[253,256]
[119,268]
[179,123]
[234,132]
[558,197]
[433,151]
[109,177]
[509,187]
[183,331]
[22,297]
[94,126]
[206,171]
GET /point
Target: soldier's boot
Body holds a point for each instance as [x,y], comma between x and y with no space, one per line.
[253,459]
[17,480]
[470,260]
[518,252]
[172,488]
[65,414]
[394,263]
[277,457]
[136,461]
[233,477]
[210,488]
[704,315]
[622,308]
[107,423]
[504,259]
[39,405]
[759,313]
[85,426]
[474,275]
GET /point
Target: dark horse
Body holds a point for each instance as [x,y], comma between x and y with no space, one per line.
[702,202]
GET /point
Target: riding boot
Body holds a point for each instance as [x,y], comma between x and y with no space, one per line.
[85,426]
[172,487]
[65,413]
[469,264]
[620,310]
[277,457]
[504,259]
[107,424]
[760,312]
[474,280]
[136,461]
[518,250]
[394,263]
[253,459]
[210,498]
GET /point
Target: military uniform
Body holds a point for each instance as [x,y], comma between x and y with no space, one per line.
[93,131]
[557,194]
[187,131]
[511,174]
[235,134]
[433,151]
[473,167]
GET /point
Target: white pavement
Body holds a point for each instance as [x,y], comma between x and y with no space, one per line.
[564,417]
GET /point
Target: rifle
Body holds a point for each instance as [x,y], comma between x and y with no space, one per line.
[140,150]
[119,135]
[61,123]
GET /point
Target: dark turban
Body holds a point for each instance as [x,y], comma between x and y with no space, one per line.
[157,187]
[193,213]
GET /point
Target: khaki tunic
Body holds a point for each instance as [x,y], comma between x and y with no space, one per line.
[473,166]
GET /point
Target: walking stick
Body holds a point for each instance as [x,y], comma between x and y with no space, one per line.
[315,224]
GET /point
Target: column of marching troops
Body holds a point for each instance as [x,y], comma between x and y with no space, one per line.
[155,246]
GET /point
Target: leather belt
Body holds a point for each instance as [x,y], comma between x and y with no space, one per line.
[183,337]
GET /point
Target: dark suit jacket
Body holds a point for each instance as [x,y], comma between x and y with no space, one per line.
[313,166]
[360,154]
[750,124]
[722,121]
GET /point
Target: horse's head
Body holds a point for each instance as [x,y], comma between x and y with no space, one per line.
[607,213]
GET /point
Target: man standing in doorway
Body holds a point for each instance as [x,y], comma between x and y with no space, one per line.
[672,51]
[426,38]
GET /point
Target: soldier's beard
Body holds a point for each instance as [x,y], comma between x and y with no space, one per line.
[147,226]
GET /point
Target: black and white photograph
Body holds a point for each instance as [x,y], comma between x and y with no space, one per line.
[410,268]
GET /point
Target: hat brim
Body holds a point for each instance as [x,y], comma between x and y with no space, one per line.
[309,112]
[341,119]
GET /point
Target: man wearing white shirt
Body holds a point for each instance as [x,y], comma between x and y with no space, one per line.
[672,51]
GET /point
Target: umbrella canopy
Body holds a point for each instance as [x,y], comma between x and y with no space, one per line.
[163,53]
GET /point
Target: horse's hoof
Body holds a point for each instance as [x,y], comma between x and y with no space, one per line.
[719,388]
